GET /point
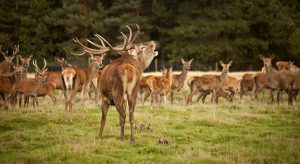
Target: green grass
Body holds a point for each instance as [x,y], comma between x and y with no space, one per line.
[241,132]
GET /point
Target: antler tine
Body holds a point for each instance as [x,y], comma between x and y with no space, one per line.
[2,51]
[35,65]
[136,34]
[130,33]
[96,45]
[102,43]
[45,63]
[125,42]
[101,38]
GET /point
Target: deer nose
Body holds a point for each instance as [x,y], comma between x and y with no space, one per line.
[157,46]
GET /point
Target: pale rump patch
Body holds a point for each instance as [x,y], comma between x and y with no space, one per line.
[68,75]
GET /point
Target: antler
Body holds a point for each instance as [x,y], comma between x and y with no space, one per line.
[4,54]
[36,66]
[16,50]
[127,43]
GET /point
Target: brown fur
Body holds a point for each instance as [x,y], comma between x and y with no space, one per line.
[278,81]
[45,89]
[220,93]
[178,80]
[8,82]
[246,84]
[231,84]
[160,85]
[282,65]
[208,83]
[25,63]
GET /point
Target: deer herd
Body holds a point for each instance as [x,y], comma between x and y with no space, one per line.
[121,82]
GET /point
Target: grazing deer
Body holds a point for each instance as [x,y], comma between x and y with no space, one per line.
[281,65]
[246,84]
[33,86]
[119,80]
[231,84]
[160,85]
[178,80]
[208,83]
[6,65]
[8,82]
[25,63]
[278,81]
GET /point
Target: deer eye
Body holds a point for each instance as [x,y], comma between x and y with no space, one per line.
[143,48]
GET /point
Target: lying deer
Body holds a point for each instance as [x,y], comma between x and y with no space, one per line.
[6,65]
[278,81]
[119,80]
[178,80]
[8,82]
[208,83]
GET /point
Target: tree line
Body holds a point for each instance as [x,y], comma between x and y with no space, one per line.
[206,30]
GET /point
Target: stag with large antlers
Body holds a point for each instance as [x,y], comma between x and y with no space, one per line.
[5,66]
[119,80]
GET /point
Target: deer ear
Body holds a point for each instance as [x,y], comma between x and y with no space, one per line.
[30,56]
[261,57]
[230,63]
[221,62]
[182,61]
[191,61]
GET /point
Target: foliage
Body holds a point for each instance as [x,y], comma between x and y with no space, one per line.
[207,30]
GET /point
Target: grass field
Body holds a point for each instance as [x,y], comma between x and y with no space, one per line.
[241,132]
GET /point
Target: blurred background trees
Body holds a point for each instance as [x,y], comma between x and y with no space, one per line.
[206,30]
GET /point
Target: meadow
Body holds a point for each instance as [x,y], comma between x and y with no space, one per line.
[245,131]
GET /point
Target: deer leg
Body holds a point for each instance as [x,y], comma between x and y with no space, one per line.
[146,96]
[172,96]
[278,93]
[104,109]
[122,118]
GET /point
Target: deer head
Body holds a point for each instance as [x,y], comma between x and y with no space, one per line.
[25,61]
[40,74]
[142,52]
[7,58]
[186,64]
[18,71]
[62,62]
[267,61]
[225,67]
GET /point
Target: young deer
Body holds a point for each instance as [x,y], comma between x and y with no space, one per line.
[208,83]
[119,80]
[160,85]
[178,80]
[278,81]
[220,93]
[6,65]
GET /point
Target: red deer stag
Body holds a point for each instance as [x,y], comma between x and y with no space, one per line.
[6,65]
[8,82]
[34,85]
[178,80]
[119,80]
[278,81]
[208,83]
